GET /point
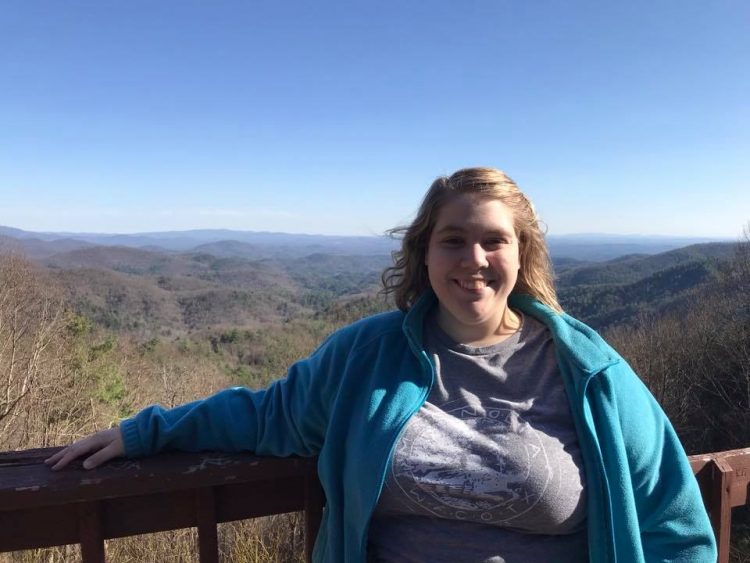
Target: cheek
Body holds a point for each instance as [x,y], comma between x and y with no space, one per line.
[436,258]
[509,261]
[428,253]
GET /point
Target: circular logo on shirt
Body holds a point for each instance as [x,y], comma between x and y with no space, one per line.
[482,465]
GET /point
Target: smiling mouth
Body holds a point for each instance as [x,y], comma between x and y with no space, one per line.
[473,285]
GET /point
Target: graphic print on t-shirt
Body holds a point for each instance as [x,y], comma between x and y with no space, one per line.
[486,465]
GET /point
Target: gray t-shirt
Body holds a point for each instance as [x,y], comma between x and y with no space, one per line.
[489,469]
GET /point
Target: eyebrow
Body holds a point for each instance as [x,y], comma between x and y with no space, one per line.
[459,229]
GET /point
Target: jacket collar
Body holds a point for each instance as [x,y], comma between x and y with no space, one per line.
[413,325]
[574,341]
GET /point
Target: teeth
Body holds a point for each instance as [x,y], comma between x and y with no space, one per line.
[472,284]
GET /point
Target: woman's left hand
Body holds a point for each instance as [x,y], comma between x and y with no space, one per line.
[104,445]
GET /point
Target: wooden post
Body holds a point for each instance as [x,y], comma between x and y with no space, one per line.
[721,505]
[90,532]
[205,509]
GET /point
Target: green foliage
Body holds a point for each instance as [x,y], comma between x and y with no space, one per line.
[229,337]
[346,312]
[105,346]
[110,388]
[78,325]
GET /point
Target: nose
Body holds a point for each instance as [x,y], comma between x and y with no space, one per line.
[475,256]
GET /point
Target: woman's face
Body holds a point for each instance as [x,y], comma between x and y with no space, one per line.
[472,263]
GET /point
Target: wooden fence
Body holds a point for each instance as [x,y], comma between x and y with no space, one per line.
[41,508]
[724,481]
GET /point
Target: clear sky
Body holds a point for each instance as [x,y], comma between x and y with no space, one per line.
[334,117]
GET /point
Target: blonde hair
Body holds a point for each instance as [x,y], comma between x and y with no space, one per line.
[407,279]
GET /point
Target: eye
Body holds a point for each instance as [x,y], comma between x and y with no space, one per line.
[496,242]
[452,241]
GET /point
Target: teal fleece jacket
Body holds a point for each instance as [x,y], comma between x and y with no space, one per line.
[348,402]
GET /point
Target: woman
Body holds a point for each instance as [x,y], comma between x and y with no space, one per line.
[477,423]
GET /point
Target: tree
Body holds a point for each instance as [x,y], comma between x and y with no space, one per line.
[31,322]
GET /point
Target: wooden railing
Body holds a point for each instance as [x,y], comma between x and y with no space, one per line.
[724,479]
[40,508]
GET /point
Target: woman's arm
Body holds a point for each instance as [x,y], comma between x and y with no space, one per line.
[289,417]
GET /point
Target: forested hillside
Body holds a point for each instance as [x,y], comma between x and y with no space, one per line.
[616,292]
[153,294]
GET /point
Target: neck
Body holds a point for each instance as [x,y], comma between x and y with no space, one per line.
[480,335]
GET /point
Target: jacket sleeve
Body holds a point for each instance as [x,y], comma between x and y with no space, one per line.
[672,519]
[289,417]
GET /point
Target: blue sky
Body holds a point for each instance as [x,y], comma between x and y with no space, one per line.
[334,117]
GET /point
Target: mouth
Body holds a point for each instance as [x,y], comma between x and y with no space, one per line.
[473,284]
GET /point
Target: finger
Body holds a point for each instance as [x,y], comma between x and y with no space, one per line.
[69,454]
[65,456]
[111,451]
[80,448]
[55,456]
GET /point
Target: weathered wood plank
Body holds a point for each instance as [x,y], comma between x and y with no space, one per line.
[27,482]
[739,460]
[720,506]
[47,526]
[38,527]
[41,508]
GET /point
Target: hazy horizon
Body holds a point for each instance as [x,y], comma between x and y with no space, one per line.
[599,235]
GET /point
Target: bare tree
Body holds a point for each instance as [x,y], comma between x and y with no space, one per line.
[697,361]
[31,318]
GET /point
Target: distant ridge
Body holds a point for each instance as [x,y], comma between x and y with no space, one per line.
[603,247]
[37,249]
[629,268]
[187,241]
[263,244]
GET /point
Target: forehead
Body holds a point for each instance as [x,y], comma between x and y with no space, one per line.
[472,212]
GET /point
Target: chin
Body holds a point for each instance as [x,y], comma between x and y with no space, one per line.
[474,318]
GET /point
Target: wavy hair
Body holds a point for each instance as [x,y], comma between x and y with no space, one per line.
[407,279]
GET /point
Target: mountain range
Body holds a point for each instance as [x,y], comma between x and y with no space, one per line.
[172,283]
[257,245]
